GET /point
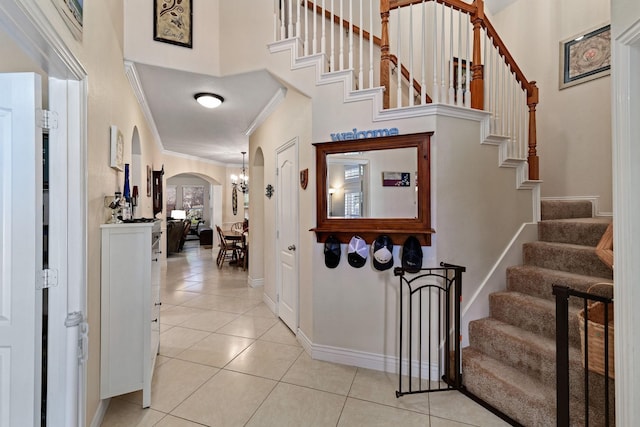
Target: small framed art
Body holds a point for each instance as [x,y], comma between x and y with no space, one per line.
[117,148]
[172,22]
[585,57]
[396,179]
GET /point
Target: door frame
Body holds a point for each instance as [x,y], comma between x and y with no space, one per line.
[35,35]
[292,143]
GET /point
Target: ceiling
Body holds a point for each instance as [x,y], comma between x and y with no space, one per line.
[221,134]
[185,127]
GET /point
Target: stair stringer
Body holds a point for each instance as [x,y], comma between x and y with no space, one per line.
[504,161]
[346,77]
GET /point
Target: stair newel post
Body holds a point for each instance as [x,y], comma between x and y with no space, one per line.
[562,354]
[533,159]
[385,58]
[477,82]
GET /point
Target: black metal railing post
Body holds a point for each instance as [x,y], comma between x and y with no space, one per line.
[562,354]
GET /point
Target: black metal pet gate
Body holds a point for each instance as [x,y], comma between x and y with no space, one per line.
[429,327]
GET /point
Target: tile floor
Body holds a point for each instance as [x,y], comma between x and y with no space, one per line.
[225,360]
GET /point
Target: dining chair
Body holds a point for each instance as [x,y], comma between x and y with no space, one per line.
[228,250]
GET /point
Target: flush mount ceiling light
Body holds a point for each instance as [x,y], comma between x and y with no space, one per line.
[208,100]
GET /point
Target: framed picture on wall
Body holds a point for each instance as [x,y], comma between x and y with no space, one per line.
[148,181]
[172,22]
[585,57]
[117,148]
[71,12]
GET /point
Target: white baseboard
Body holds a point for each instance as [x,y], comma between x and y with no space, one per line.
[255,283]
[374,361]
[270,303]
[100,412]
[305,342]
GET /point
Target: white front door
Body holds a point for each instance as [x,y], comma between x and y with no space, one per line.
[20,249]
[287,226]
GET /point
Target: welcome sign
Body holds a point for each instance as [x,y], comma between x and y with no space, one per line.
[363,134]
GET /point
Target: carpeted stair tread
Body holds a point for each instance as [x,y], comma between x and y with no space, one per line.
[522,398]
[532,314]
[565,257]
[538,282]
[534,356]
[525,399]
[561,209]
[529,353]
[578,231]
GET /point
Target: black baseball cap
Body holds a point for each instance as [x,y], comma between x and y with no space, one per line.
[382,249]
[332,251]
[412,255]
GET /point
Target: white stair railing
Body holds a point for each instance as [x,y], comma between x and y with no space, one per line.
[428,41]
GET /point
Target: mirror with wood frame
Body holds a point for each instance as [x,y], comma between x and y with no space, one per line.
[363,188]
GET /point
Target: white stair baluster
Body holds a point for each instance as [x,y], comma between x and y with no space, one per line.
[306,27]
[436,89]
[361,54]
[283,22]
[458,88]
[275,20]
[290,19]
[371,43]
[333,43]
[398,65]
[452,90]
[467,91]
[423,88]
[411,90]
[443,90]
[341,57]
[323,39]
[351,34]
[314,14]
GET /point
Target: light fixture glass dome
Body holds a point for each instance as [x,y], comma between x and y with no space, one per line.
[208,100]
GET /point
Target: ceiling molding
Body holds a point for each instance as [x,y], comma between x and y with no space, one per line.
[273,103]
[190,157]
[134,81]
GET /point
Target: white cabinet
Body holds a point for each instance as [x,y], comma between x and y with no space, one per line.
[130,308]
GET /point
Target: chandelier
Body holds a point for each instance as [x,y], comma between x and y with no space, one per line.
[241,182]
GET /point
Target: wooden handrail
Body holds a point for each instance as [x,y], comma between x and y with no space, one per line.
[479,20]
[367,36]
[454,4]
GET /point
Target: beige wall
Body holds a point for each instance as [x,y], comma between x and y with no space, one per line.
[574,124]
[291,120]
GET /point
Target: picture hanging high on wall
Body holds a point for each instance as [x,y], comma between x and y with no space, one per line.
[71,12]
[585,57]
[172,22]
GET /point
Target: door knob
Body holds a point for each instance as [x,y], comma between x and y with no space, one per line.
[292,248]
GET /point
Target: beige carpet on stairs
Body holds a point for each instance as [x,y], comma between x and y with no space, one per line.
[510,360]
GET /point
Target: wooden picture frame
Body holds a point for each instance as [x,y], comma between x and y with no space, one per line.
[585,57]
[172,22]
[117,148]
[396,179]
[148,181]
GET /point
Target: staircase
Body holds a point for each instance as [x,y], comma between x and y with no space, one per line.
[510,360]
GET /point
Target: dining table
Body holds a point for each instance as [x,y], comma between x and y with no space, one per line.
[240,238]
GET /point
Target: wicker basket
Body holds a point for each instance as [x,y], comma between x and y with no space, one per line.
[595,334]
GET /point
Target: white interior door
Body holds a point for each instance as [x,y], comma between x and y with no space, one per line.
[287,225]
[20,249]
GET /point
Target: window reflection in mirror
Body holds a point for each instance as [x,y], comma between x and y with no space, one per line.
[389,175]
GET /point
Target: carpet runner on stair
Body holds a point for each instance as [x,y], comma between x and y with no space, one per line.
[510,360]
